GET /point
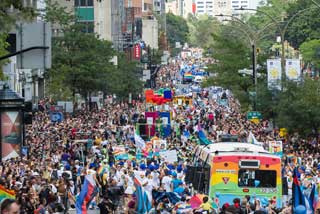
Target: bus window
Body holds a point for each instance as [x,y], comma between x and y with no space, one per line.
[257,178]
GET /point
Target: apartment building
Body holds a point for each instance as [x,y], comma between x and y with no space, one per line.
[205,7]
[252,4]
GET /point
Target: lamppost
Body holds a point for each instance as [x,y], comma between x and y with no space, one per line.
[282,30]
[253,36]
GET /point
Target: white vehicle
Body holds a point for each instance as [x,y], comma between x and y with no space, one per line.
[198,79]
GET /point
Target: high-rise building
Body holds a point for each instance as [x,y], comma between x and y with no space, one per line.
[205,7]
[252,4]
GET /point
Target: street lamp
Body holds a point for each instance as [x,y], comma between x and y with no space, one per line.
[282,31]
[253,37]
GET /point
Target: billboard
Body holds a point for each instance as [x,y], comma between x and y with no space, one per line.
[274,73]
[11,134]
[293,69]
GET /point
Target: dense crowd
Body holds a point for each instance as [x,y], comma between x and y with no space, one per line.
[50,177]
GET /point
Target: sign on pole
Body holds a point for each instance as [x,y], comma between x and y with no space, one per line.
[32,35]
[137,51]
[274,73]
[293,69]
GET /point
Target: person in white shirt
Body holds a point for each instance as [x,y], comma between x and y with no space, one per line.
[166,182]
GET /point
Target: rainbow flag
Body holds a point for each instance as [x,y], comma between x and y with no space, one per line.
[6,193]
[101,170]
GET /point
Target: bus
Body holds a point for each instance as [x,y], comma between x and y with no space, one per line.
[228,170]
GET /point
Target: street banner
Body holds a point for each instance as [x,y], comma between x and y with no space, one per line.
[137,51]
[275,147]
[274,73]
[293,69]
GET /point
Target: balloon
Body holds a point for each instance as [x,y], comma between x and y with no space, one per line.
[300,209]
[256,183]
[217,194]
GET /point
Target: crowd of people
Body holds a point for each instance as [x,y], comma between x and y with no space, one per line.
[49,178]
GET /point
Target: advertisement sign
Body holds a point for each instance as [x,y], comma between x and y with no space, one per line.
[275,147]
[11,136]
[169,156]
[274,73]
[137,51]
[293,69]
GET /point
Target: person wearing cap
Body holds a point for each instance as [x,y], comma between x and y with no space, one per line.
[166,181]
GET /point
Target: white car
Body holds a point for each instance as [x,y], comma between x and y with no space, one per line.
[198,79]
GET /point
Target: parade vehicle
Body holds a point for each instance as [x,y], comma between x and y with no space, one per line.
[228,170]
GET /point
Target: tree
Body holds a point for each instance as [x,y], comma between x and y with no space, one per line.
[82,61]
[11,11]
[125,79]
[298,108]
[231,54]
[306,25]
[201,30]
[177,30]
[310,51]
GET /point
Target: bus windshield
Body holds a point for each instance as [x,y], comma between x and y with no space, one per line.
[257,178]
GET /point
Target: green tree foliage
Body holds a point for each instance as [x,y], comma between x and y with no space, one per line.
[125,79]
[57,15]
[298,107]
[305,26]
[201,30]
[231,54]
[177,30]
[12,11]
[82,61]
[310,51]
[3,51]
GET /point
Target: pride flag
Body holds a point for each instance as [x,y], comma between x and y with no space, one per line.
[143,203]
[6,193]
[101,170]
[298,197]
[86,195]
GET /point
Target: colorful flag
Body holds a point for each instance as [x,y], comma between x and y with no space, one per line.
[140,143]
[298,197]
[251,139]
[101,170]
[86,195]
[143,203]
[313,198]
[6,193]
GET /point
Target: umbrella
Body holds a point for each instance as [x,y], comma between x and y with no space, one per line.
[172,196]
[196,200]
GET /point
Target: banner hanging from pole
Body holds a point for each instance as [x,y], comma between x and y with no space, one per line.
[274,73]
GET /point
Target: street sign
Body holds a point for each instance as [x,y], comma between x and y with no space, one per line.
[254,115]
[56,117]
[146,75]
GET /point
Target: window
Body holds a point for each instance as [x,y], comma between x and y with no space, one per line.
[200,6]
[257,178]
[83,3]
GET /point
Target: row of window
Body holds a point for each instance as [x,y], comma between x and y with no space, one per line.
[237,2]
[83,3]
